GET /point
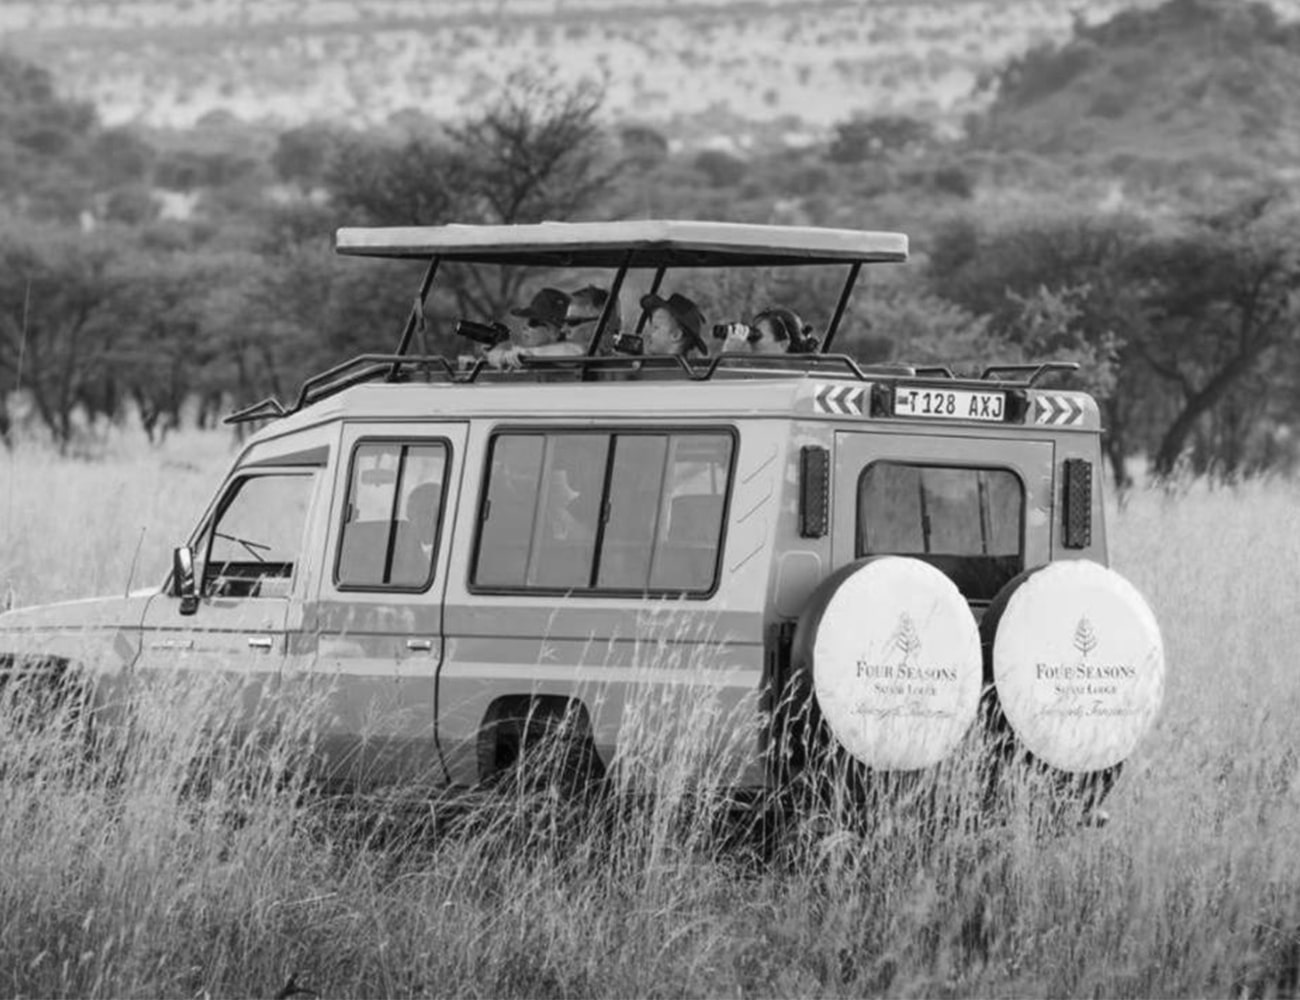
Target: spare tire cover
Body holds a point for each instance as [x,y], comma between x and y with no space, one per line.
[895,659]
[1078,663]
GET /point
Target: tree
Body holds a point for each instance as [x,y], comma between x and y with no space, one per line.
[55,342]
[301,155]
[1223,304]
[42,141]
[643,146]
[415,182]
[535,152]
[1059,287]
[722,169]
[865,138]
[162,357]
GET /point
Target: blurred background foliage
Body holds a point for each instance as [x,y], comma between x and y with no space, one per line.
[1123,202]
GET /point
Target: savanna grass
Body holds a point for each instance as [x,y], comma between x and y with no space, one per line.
[186,857]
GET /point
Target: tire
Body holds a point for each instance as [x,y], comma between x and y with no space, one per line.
[886,659]
[545,752]
[1076,664]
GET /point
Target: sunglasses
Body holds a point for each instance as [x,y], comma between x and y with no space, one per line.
[579,320]
[533,324]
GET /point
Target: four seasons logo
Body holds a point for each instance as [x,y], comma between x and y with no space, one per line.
[1085,638]
[905,639]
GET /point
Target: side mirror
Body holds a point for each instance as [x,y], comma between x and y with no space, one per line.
[183,584]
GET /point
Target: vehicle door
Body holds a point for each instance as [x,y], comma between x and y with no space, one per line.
[976,507]
[249,556]
[378,620]
[596,576]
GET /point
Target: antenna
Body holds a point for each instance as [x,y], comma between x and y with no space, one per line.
[130,576]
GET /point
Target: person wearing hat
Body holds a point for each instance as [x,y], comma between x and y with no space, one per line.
[543,334]
[675,325]
[585,308]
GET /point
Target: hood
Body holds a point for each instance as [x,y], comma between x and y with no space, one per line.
[80,615]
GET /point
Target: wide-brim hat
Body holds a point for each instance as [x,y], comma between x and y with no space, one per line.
[685,311]
[548,306]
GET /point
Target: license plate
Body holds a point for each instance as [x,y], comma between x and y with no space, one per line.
[949,404]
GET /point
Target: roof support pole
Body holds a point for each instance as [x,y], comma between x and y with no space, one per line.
[834,325]
[415,319]
[611,304]
[654,290]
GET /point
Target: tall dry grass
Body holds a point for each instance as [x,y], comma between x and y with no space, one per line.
[185,862]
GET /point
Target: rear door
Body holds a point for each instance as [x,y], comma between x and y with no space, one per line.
[977,507]
[379,618]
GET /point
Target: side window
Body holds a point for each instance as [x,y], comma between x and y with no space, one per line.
[628,512]
[690,518]
[568,516]
[506,521]
[636,487]
[393,514]
[256,540]
[965,521]
[542,515]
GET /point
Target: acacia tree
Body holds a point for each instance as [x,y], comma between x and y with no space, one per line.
[167,353]
[55,341]
[1222,304]
[536,151]
[1058,287]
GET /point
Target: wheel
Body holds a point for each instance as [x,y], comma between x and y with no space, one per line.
[1076,666]
[886,660]
[546,751]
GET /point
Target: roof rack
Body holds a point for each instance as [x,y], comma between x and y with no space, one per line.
[1034,371]
[362,368]
[438,368]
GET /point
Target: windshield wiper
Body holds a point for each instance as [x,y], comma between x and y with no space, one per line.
[252,547]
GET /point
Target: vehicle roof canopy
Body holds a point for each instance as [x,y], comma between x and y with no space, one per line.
[634,244]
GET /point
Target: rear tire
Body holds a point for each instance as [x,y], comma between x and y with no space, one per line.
[1074,675]
[543,750]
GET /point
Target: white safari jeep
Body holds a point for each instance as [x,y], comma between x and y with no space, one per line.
[449,555]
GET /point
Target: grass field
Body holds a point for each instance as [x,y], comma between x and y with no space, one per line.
[134,887]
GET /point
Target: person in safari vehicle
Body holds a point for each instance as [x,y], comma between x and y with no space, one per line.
[675,325]
[772,331]
[544,334]
[585,308]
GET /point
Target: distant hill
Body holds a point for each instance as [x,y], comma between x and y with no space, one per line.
[1212,82]
[704,70]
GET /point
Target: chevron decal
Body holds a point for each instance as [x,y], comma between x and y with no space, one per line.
[843,400]
[1058,411]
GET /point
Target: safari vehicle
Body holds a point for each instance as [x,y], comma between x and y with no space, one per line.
[456,556]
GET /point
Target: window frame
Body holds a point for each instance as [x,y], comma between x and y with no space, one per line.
[1021,535]
[608,431]
[234,485]
[389,588]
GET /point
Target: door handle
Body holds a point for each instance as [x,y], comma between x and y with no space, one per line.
[260,642]
[172,644]
[420,645]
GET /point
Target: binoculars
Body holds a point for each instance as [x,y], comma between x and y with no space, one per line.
[487,334]
[743,331]
[803,343]
[629,343]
